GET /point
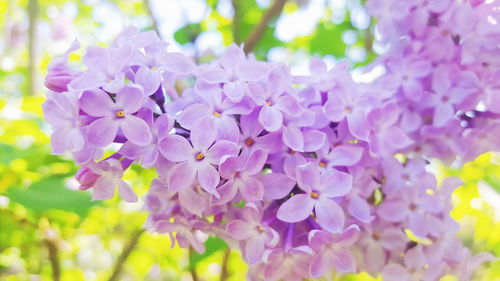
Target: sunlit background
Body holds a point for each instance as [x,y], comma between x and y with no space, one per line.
[50,231]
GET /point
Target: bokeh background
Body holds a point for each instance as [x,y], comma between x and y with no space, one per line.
[49,230]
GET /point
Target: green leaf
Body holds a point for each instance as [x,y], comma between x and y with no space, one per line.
[51,193]
[187,33]
[212,245]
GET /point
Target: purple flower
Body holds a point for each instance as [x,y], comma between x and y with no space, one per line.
[332,251]
[320,190]
[255,234]
[62,112]
[407,74]
[348,103]
[59,73]
[196,160]
[240,174]
[220,111]
[112,116]
[274,100]
[233,71]
[107,176]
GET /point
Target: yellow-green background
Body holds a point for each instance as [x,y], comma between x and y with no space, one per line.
[45,222]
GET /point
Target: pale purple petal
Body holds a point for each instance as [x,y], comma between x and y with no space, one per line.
[102,131]
[443,113]
[395,272]
[293,138]
[239,229]
[289,104]
[126,192]
[393,211]
[252,189]
[193,114]
[276,186]
[329,215]
[360,209]
[308,177]
[176,148]
[209,178]
[345,155]
[234,91]
[222,150]
[227,191]
[136,130]
[357,125]
[319,264]
[254,249]
[296,209]
[227,129]
[344,261]
[270,118]
[255,162]
[96,103]
[178,63]
[130,98]
[192,201]
[203,134]
[104,188]
[212,74]
[148,79]
[252,70]
[336,184]
[334,109]
[181,176]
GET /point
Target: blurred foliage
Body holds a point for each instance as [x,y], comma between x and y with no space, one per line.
[49,230]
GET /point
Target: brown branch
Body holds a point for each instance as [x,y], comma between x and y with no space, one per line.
[236,21]
[224,275]
[125,254]
[259,29]
[154,22]
[53,258]
[32,52]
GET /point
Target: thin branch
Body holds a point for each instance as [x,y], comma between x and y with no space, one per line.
[224,275]
[192,269]
[258,30]
[32,52]
[53,258]
[125,254]
[154,22]
[236,21]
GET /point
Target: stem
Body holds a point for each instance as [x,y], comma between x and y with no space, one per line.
[54,259]
[32,34]
[224,275]
[192,269]
[125,254]
[236,21]
[258,31]
[154,22]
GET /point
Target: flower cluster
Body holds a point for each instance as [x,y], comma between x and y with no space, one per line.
[305,174]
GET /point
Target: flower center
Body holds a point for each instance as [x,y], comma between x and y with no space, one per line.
[120,113]
[217,114]
[260,228]
[348,109]
[322,164]
[314,195]
[249,142]
[269,103]
[291,152]
[199,156]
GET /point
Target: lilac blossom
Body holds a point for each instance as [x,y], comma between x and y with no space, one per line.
[113,116]
[320,190]
[306,155]
[196,159]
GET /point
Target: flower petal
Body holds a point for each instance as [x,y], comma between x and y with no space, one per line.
[329,215]
[126,192]
[208,178]
[336,184]
[181,176]
[222,150]
[102,132]
[308,177]
[270,118]
[203,134]
[176,148]
[96,103]
[136,130]
[276,186]
[296,209]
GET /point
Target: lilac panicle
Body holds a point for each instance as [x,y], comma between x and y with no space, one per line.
[305,174]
